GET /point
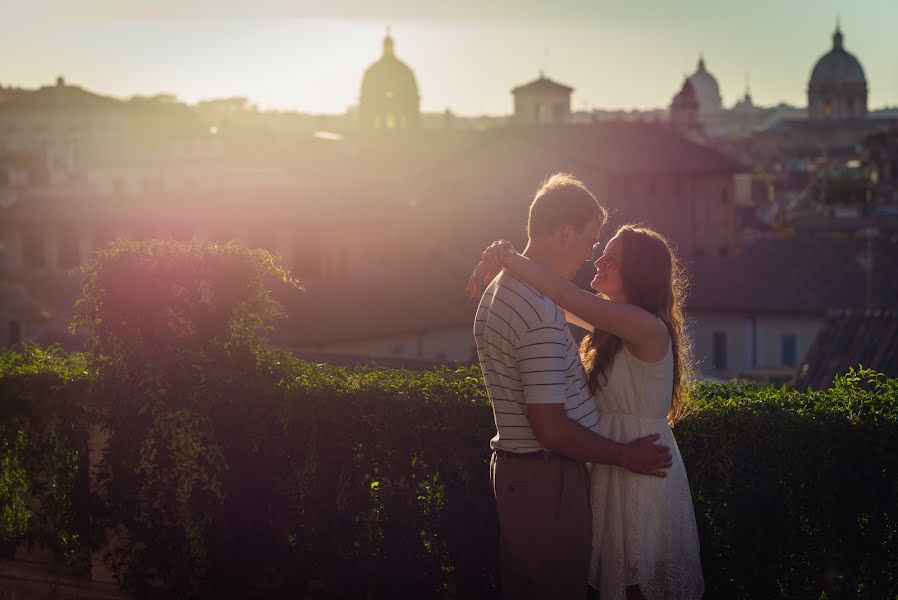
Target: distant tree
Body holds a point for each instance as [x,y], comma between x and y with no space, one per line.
[845,188]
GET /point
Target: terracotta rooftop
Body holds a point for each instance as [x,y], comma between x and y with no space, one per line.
[849,339]
[796,275]
[542,84]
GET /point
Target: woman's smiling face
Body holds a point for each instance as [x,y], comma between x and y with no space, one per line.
[608,278]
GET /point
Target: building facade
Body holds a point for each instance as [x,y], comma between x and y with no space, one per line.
[542,101]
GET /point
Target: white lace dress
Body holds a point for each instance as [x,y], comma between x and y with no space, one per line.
[644,529]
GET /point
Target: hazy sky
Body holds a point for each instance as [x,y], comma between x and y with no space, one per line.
[467,54]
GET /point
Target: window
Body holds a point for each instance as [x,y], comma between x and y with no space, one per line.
[15,333]
[789,350]
[33,248]
[719,350]
[67,255]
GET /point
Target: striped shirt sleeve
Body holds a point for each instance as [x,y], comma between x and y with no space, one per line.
[541,360]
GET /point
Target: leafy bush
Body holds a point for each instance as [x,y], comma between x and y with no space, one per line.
[157,300]
[797,492]
[43,435]
[235,470]
[175,329]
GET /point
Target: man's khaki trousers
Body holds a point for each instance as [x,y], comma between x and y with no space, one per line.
[545,526]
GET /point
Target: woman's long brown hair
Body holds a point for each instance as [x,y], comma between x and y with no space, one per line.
[654,281]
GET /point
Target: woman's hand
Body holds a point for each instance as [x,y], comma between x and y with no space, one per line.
[489,266]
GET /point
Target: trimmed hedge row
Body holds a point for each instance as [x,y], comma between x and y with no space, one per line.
[284,478]
[796,494]
[306,479]
[230,469]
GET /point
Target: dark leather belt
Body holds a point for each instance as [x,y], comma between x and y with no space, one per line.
[536,455]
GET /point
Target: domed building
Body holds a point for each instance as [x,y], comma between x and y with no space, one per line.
[707,92]
[389,97]
[838,87]
[684,110]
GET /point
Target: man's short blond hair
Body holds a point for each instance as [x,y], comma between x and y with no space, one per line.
[562,200]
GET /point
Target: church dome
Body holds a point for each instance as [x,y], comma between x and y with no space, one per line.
[389,96]
[837,67]
[685,97]
[684,109]
[838,86]
[706,89]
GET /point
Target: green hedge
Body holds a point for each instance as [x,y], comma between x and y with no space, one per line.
[43,435]
[286,477]
[374,482]
[235,470]
[796,493]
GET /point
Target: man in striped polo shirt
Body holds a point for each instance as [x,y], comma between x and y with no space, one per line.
[545,417]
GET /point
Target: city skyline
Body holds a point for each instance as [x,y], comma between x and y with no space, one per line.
[466,57]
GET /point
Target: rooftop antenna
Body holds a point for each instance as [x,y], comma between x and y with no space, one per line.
[545,67]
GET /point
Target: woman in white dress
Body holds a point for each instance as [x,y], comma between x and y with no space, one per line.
[645,541]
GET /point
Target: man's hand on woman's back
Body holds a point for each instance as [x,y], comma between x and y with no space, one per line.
[647,457]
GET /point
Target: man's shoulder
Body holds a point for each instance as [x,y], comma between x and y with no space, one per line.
[508,283]
[514,292]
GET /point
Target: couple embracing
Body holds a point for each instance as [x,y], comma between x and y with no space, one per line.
[589,482]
